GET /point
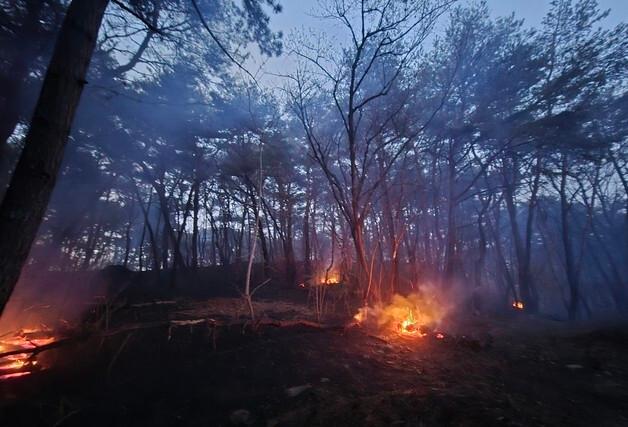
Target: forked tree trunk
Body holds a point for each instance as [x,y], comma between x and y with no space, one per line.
[31,186]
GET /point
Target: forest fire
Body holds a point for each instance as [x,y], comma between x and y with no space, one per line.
[306,213]
[15,364]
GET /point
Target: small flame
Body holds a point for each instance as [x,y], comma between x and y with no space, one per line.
[517,305]
[330,278]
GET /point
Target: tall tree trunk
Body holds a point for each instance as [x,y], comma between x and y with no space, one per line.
[169,230]
[364,272]
[570,261]
[148,227]
[90,247]
[262,237]
[196,207]
[127,243]
[526,280]
[480,261]
[501,264]
[258,209]
[451,250]
[140,256]
[522,250]
[287,239]
[31,186]
[393,240]
[307,250]
[12,83]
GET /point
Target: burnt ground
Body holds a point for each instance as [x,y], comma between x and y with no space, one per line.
[517,371]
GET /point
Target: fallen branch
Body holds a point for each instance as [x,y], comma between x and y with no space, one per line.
[293,323]
[38,349]
[148,304]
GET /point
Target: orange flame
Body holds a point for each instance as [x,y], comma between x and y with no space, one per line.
[409,326]
[22,364]
[330,278]
[412,315]
[518,305]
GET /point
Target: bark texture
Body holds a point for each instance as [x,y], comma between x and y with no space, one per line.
[27,197]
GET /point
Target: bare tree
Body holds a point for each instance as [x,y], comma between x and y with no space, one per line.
[368,99]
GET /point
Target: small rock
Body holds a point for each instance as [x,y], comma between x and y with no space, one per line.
[324,380]
[573,366]
[297,390]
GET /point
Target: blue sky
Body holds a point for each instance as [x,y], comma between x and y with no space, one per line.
[296,14]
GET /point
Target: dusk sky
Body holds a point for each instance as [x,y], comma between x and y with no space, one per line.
[297,14]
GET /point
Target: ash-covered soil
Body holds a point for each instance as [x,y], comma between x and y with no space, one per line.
[518,371]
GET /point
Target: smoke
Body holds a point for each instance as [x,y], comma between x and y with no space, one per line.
[51,300]
[427,307]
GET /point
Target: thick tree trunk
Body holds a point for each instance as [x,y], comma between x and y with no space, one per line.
[12,82]
[31,186]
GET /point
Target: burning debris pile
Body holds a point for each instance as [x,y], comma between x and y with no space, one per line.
[19,351]
[416,315]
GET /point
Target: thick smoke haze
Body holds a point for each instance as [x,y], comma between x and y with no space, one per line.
[458,147]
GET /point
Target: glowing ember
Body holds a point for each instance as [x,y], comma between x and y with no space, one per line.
[22,364]
[517,305]
[439,336]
